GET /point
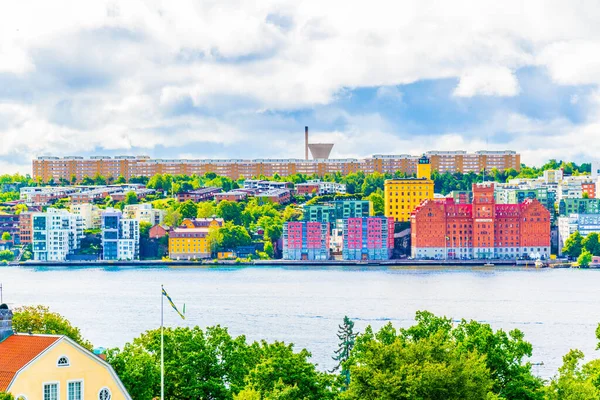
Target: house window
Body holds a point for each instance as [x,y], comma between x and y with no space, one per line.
[21,397]
[63,361]
[74,390]
[51,391]
[104,394]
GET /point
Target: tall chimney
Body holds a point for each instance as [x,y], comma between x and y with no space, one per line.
[306,142]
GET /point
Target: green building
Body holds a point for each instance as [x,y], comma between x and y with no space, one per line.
[567,207]
[517,196]
[336,210]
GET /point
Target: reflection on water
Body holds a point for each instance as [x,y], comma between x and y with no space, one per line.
[557,309]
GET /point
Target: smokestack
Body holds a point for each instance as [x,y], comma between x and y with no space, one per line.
[306,142]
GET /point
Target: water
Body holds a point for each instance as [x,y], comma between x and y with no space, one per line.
[556,309]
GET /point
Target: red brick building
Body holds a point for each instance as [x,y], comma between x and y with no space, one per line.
[483,230]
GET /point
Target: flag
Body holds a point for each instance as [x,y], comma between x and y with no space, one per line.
[164,292]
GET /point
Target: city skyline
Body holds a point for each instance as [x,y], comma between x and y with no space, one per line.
[231,80]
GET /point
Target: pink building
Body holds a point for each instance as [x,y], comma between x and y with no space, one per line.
[303,240]
[368,238]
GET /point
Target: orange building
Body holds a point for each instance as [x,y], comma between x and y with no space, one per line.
[442,229]
[74,169]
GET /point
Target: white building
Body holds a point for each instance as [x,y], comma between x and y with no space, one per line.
[595,169]
[144,213]
[584,223]
[55,234]
[553,175]
[120,236]
[91,215]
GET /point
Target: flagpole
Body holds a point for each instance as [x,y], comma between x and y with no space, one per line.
[162,347]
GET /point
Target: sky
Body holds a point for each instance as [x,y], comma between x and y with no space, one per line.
[241,79]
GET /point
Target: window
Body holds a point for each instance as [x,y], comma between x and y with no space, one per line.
[63,361]
[51,391]
[104,394]
[74,390]
[21,397]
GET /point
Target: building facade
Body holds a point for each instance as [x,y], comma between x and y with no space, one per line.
[402,196]
[201,194]
[304,240]
[76,168]
[368,238]
[442,229]
[120,236]
[91,214]
[10,223]
[191,240]
[55,234]
[144,213]
[53,367]
[567,207]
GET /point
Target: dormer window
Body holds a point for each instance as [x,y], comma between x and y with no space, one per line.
[63,361]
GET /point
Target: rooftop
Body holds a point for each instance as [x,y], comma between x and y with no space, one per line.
[17,351]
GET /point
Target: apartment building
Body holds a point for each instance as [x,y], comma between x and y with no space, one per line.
[337,210]
[120,236]
[201,194]
[191,240]
[567,207]
[319,187]
[76,168]
[304,240]
[442,229]
[144,213]
[25,228]
[402,196]
[368,238]
[55,234]
[90,214]
[10,223]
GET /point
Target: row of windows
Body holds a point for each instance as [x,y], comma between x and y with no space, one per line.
[74,391]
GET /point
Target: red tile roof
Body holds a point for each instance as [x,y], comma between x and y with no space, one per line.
[18,350]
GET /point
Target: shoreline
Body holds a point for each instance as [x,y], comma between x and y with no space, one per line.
[287,263]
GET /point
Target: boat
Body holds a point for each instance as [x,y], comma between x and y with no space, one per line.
[539,264]
[488,264]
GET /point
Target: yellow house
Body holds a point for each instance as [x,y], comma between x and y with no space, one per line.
[190,240]
[52,367]
[402,196]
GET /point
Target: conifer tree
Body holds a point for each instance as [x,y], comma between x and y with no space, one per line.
[346,336]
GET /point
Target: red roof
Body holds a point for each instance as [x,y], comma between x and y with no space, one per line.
[18,350]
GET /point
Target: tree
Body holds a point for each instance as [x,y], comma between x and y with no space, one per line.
[145,229]
[376,198]
[188,209]
[99,180]
[6,396]
[130,198]
[232,236]
[269,250]
[6,236]
[272,227]
[39,319]
[206,209]
[120,180]
[573,381]
[592,243]
[230,211]
[280,373]
[199,364]
[87,180]
[573,245]
[172,218]
[502,356]
[346,337]
[584,259]
[6,255]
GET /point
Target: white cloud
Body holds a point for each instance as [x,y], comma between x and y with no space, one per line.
[113,74]
[487,81]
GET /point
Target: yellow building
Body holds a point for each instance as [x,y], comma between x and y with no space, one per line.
[190,240]
[402,196]
[52,367]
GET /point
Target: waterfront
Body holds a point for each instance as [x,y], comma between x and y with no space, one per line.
[556,309]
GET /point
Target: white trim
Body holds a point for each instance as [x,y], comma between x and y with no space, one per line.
[82,388]
[109,393]
[20,397]
[57,383]
[68,364]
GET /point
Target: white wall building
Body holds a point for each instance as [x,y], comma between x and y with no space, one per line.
[91,215]
[55,234]
[120,236]
[144,213]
